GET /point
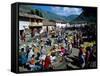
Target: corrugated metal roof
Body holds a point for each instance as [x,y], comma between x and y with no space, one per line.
[30,15]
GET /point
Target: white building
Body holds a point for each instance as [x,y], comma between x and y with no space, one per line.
[60,23]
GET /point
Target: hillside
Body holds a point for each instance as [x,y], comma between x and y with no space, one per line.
[88,15]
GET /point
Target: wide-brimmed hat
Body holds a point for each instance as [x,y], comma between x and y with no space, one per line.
[82,45]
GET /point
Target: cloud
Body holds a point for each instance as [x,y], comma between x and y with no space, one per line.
[72,10]
[66,11]
[56,9]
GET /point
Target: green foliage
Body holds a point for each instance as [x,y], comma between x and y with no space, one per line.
[36,12]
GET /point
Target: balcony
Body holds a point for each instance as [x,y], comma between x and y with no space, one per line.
[36,24]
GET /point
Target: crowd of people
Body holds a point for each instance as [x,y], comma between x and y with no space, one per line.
[42,52]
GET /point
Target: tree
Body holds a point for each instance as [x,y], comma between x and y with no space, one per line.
[37,12]
[40,14]
[33,12]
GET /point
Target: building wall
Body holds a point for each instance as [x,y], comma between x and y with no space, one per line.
[23,24]
[26,24]
[36,24]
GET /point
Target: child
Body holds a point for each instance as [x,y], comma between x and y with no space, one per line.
[23,58]
[43,50]
[30,53]
[62,53]
[70,47]
[47,63]
[82,57]
[62,50]
[32,63]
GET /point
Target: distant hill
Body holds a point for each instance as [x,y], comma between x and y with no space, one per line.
[71,17]
[53,16]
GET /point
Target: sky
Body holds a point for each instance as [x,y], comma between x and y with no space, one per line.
[63,11]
